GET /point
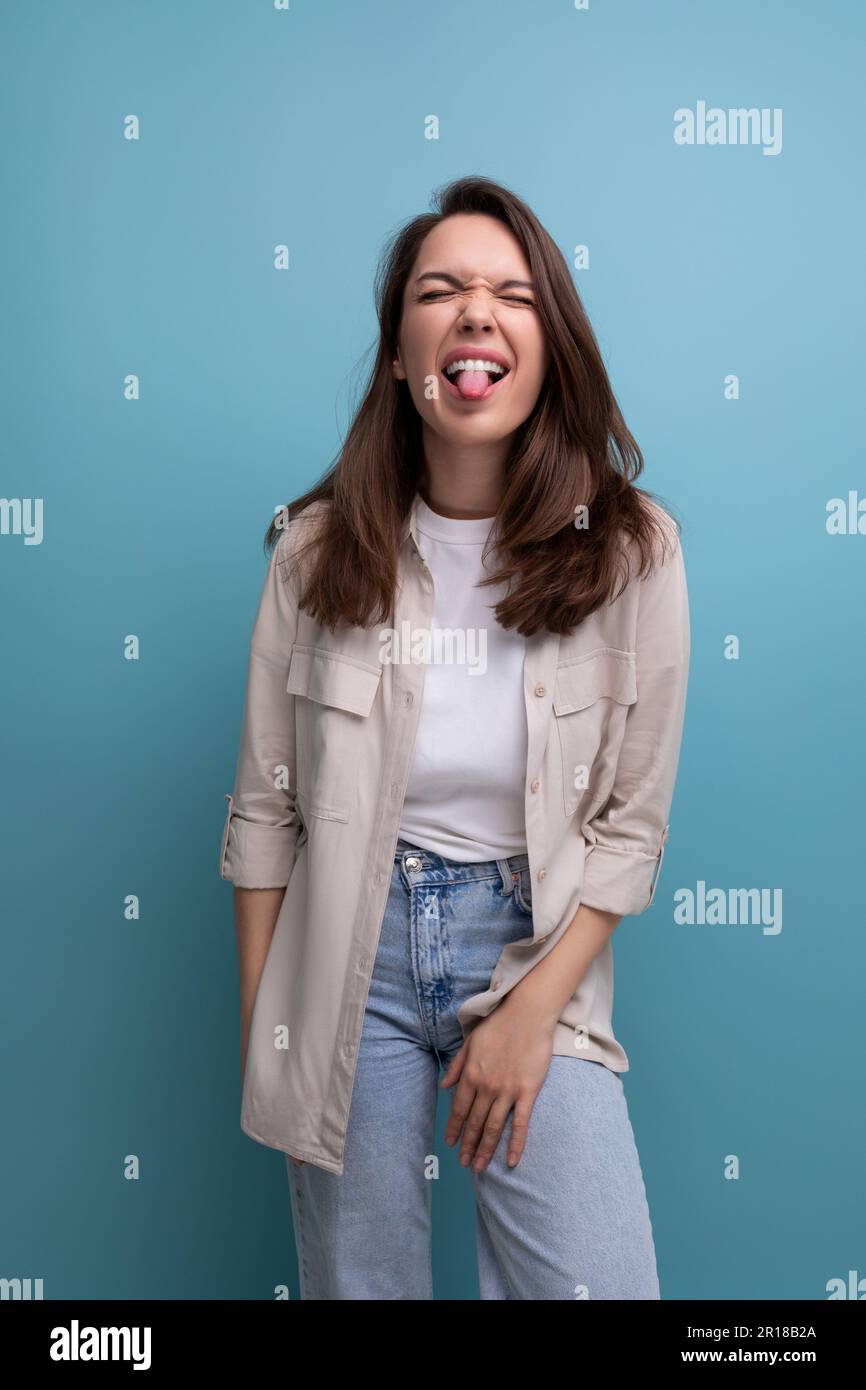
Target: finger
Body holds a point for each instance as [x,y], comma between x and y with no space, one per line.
[474,1126]
[454,1069]
[492,1132]
[519,1129]
[461,1105]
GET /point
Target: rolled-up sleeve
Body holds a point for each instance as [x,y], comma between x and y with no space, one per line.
[626,839]
[262,826]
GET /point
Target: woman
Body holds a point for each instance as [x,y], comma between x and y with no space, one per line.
[463,715]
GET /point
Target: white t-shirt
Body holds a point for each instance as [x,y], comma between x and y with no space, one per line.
[465,793]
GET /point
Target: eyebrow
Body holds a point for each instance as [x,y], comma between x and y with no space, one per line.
[452,280]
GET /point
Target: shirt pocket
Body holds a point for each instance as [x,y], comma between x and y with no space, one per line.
[592,696]
[337,695]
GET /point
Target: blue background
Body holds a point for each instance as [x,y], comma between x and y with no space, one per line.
[155,257]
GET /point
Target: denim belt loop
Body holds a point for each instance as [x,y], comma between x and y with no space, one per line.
[507,876]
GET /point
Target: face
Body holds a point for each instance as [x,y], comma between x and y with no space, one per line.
[469,298]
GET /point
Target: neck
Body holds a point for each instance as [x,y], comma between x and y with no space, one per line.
[463,481]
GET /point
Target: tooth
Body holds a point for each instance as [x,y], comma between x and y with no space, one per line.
[477,364]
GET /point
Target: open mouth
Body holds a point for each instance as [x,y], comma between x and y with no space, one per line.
[474,380]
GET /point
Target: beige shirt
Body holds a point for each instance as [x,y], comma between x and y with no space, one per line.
[325,752]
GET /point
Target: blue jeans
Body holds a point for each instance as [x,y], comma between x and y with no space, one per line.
[570,1221]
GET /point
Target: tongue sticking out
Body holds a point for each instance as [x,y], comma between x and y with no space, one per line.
[471,385]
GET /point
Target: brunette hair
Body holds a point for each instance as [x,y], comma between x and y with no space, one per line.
[574,448]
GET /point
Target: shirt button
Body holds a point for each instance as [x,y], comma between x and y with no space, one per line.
[542,873]
[410,698]
[536,784]
[540,690]
[395,788]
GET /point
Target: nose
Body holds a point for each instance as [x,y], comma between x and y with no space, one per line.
[477,314]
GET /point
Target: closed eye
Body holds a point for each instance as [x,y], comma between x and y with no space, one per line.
[443,294]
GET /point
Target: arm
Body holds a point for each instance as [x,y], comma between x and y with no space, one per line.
[511,1048]
[542,995]
[259,842]
[626,839]
[256,912]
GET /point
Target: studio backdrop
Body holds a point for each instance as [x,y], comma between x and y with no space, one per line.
[196,199]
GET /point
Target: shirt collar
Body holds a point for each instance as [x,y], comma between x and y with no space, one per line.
[410,522]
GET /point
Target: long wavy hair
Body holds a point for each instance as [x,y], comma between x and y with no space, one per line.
[573,449]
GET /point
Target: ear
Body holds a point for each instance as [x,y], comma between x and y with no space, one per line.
[397,367]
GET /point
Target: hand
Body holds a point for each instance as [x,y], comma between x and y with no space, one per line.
[501,1065]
